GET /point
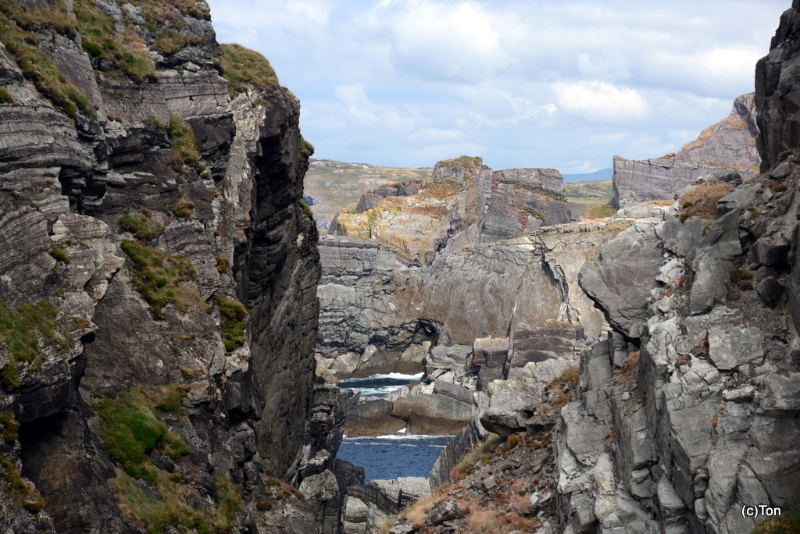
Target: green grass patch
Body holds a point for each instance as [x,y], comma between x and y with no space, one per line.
[156,515]
[306,208]
[21,329]
[736,275]
[181,139]
[465,466]
[17,487]
[171,42]
[599,212]
[5,96]
[233,329]
[183,208]
[233,334]
[144,228]
[133,429]
[58,253]
[101,41]
[243,67]
[16,26]
[10,427]
[222,264]
[306,148]
[169,398]
[159,278]
[231,308]
[787,523]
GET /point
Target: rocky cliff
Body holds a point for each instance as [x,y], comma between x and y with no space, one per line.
[158,306]
[683,415]
[463,203]
[728,145]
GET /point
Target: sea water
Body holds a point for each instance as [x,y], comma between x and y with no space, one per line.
[378,385]
[394,456]
[398,455]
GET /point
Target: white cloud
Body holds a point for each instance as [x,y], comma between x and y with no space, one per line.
[518,82]
[436,40]
[600,101]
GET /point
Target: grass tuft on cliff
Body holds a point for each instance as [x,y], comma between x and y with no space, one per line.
[5,96]
[16,32]
[181,140]
[101,41]
[788,523]
[159,278]
[17,487]
[233,329]
[701,201]
[306,148]
[21,329]
[133,429]
[156,515]
[144,228]
[243,67]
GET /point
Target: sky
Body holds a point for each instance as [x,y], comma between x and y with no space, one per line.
[558,83]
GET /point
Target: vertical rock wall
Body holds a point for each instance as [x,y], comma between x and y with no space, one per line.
[226,222]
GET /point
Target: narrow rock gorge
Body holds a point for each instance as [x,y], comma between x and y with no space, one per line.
[173,329]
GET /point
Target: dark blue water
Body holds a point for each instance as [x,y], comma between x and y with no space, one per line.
[378,385]
[393,456]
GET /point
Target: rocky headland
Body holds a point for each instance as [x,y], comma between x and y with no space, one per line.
[729,145]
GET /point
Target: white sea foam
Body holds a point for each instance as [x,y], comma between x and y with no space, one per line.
[390,376]
[402,437]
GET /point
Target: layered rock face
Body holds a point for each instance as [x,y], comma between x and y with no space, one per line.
[463,203]
[378,316]
[474,316]
[728,145]
[688,409]
[158,277]
[777,92]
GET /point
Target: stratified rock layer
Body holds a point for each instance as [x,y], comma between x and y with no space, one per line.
[728,145]
[223,223]
[463,203]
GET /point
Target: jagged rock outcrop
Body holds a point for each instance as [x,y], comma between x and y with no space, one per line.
[378,317]
[728,145]
[675,427]
[368,507]
[162,274]
[777,92]
[463,203]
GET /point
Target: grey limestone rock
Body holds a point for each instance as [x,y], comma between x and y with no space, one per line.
[728,144]
[511,405]
[619,278]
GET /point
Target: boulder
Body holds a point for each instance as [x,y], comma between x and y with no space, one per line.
[770,291]
[622,274]
[511,405]
[713,261]
[772,251]
[433,413]
[730,346]
[372,418]
[489,356]
[441,512]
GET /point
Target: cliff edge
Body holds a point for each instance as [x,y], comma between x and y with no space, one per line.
[158,274]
